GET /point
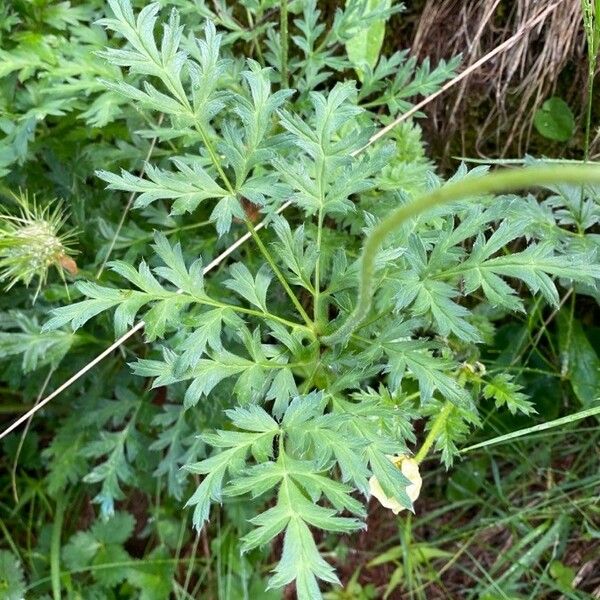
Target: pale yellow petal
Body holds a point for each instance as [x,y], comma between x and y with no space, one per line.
[376,490]
[410,469]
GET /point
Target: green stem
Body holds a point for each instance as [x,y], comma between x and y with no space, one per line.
[266,254]
[178,93]
[588,111]
[279,275]
[187,227]
[251,311]
[214,157]
[434,432]
[55,546]
[592,32]
[499,181]
[317,310]
[283,36]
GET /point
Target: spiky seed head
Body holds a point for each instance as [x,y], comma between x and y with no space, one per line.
[31,242]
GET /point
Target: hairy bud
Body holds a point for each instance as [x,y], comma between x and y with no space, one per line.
[31,243]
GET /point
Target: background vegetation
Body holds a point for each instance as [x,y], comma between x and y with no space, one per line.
[122,180]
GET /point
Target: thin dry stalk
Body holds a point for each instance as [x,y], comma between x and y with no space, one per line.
[13,471]
[130,200]
[73,379]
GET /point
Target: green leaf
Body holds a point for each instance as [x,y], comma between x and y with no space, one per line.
[555,120]
[188,280]
[234,447]
[225,211]
[253,289]
[298,255]
[415,357]
[155,579]
[562,574]
[115,452]
[301,484]
[252,418]
[580,362]
[12,579]
[534,266]
[67,465]
[80,550]
[206,333]
[507,393]
[256,480]
[115,530]
[188,186]
[282,390]
[79,313]
[391,479]
[366,45]
[166,304]
[268,525]
[301,562]
[162,314]
[101,545]
[428,296]
[205,374]
[37,347]
[180,445]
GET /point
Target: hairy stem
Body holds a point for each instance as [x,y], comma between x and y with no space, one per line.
[592,32]
[438,424]
[499,181]
[588,112]
[214,157]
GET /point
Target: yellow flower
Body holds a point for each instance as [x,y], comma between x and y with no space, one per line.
[410,469]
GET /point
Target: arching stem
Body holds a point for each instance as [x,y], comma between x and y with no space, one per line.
[499,181]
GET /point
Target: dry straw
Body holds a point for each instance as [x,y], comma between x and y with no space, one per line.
[519,80]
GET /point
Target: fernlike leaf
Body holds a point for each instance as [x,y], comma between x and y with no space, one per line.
[12,579]
[253,289]
[188,186]
[508,393]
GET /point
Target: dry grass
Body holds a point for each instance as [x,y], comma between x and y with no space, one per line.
[510,88]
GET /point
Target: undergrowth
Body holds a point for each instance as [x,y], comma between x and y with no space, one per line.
[375,317]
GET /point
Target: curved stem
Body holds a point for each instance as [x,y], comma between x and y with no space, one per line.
[592,31]
[499,181]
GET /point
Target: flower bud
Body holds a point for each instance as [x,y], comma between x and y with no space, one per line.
[31,243]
